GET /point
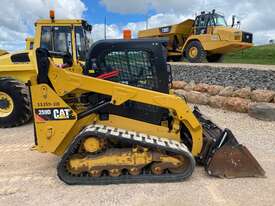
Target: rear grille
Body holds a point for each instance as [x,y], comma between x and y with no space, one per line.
[247,37]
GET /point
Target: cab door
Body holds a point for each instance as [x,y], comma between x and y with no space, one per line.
[201,25]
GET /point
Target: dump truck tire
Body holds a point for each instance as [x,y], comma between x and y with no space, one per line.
[194,52]
[214,58]
[15,107]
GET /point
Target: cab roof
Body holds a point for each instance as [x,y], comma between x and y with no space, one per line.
[61,21]
[78,22]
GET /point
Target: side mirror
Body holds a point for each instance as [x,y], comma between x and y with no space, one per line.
[238,24]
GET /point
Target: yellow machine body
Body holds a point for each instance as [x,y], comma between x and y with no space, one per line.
[71,37]
[22,71]
[56,136]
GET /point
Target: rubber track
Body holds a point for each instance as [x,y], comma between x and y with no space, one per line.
[127,137]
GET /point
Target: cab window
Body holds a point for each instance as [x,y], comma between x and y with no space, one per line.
[83,42]
[201,25]
[211,22]
[202,22]
[220,21]
[46,38]
[80,43]
[58,39]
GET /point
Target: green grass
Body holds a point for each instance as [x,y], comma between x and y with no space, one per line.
[256,55]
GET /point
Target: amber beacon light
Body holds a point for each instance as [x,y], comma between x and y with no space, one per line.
[52,14]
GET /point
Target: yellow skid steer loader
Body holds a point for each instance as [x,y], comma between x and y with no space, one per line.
[119,124]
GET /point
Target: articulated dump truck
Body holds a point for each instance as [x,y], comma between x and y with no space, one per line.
[119,123]
[208,37]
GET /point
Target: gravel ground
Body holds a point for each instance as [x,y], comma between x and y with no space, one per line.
[240,76]
[226,65]
[29,178]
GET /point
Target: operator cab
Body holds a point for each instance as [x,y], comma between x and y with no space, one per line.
[70,37]
[206,20]
[59,39]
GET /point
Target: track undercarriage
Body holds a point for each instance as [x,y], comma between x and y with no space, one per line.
[105,155]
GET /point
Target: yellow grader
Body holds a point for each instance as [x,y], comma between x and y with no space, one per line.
[120,124]
[72,37]
[208,37]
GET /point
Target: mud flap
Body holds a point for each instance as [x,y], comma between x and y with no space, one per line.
[223,156]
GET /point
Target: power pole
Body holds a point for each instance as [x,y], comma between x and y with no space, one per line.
[147,20]
[105,27]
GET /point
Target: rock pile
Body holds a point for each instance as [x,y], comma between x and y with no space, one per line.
[245,100]
[263,111]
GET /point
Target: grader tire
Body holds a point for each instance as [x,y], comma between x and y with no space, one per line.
[195,53]
[15,107]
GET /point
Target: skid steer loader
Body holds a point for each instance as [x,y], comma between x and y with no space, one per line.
[121,125]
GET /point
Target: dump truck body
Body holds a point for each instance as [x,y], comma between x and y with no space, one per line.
[182,31]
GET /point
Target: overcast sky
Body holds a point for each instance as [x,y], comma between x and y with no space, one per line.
[17,16]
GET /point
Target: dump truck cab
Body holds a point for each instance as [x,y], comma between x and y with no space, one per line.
[68,36]
[219,36]
[205,22]
[208,37]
